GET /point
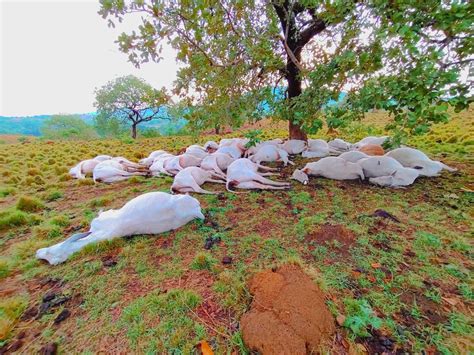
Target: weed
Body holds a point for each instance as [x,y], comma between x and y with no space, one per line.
[203,261]
[29,204]
[359,316]
[11,309]
[13,218]
[54,195]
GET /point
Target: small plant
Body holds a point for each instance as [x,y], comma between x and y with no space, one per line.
[360,316]
[65,177]
[203,261]
[54,195]
[29,204]
[7,191]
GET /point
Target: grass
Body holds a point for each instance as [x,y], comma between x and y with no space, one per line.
[163,294]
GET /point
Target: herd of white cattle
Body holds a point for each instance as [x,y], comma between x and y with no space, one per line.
[231,163]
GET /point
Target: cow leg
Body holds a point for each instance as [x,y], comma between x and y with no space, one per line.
[258,186]
[266,168]
[216,181]
[266,181]
[194,185]
[268,174]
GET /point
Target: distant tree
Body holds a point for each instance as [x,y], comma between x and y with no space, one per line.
[67,127]
[402,56]
[130,100]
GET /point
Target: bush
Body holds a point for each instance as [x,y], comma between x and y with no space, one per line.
[65,177]
[7,191]
[10,311]
[54,195]
[47,231]
[13,218]
[29,204]
[70,127]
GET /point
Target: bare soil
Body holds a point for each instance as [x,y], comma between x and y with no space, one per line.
[288,314]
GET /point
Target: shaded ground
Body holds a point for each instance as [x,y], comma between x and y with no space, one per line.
[390,286]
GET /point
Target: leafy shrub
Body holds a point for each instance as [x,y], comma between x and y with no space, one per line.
[359,316]
[29,204]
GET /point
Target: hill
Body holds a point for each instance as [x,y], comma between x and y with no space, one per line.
[31,125]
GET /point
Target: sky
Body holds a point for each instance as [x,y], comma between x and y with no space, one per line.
[53,54]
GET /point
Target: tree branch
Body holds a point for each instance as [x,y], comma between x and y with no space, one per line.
[316,27]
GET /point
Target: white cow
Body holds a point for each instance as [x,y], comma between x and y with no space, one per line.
[110,171]
[270,153]
[211,146]
[127,164]
[157,168]
[377,166]
[244,174]
[217,163]
[338,146]
[294,146]
[416,159]
[317,148]
[86,167]
[173,165]
[191,179]
[148,161]
[371,140]
[235,151]
[151,213]
[331,168]
[400,178]
[353,156]
[197,151]
[254,149]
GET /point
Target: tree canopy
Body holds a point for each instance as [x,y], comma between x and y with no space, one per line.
[130,100]
[67,127]
[402,56]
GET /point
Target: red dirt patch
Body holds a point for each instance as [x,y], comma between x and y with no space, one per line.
[288,314]
[430,309]
[329,233]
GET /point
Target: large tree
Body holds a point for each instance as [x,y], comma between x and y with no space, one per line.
[403,56]
[130,100]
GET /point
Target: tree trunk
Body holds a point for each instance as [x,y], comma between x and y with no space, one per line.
[134,130]
[217,128]
[294,90]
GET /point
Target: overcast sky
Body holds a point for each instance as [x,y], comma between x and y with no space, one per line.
[54,53]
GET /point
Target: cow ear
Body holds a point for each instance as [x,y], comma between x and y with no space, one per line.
[100,211]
